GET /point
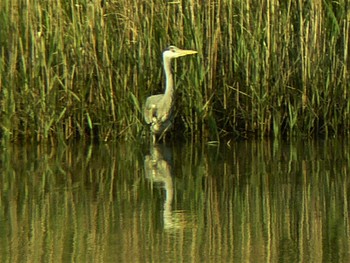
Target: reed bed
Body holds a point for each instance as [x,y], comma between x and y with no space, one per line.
[83,69]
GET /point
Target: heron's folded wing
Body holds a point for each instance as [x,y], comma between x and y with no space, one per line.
[151,107]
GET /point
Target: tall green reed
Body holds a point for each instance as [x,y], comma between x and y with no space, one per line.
[84,68]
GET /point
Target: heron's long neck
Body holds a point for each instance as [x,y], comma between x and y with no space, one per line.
[169,82]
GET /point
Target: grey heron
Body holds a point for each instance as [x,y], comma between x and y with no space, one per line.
[158,109]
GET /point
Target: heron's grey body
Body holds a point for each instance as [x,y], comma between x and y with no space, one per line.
[158,109]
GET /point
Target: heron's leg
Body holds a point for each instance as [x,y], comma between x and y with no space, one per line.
[162,136]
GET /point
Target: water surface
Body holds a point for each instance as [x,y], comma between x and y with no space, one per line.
[257,201]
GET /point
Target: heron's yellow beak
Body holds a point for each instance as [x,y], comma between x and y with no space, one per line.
[183,52]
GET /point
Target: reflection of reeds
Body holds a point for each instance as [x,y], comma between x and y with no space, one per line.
[256,200]
[75,68]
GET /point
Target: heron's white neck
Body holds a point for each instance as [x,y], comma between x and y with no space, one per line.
[169,81]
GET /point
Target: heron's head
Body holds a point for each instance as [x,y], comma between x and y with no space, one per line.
[175,52]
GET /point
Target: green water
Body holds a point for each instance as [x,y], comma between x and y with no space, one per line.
[243,201]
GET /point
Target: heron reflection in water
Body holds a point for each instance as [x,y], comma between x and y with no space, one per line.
[158,109]
[158,171]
